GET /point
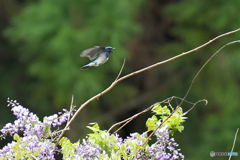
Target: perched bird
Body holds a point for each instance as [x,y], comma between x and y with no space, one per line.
[98,55]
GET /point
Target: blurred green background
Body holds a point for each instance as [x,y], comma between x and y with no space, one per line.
[41,40]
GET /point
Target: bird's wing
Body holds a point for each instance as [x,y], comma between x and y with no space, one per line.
[92,53]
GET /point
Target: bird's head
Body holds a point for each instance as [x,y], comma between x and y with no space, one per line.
[109,49]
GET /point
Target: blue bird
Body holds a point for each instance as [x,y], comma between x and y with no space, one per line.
[98,55]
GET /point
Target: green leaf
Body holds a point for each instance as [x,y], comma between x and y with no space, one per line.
[151,123]
[16,137]
[159,110]
[63,141]
[94,128]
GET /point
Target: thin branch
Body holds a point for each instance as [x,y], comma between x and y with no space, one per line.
[135,116]
[34,157]
[168,100]
[205,65]
[186,100]
[129,119]
[66,129]
[136,72]
[180,55]
[71,109]
[233,143]
[120,70]
[202,100]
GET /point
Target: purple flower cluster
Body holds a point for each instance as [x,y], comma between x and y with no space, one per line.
[163,149]
[37,141]
[56,120]
[158,149]
[89,150]
[35,133]
[29,147]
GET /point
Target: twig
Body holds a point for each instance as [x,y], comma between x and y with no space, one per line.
[71,109]
[206,102]
[233,143]
[129,119]
[120,70]
[34,157]
[168,100]
[205,65]
[183,100]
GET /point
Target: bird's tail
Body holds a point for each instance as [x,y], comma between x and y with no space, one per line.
[85,67]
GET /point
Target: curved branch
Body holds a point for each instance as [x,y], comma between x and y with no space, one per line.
[202,100]
[177,56]
[129,119]
[205,65]
[136,72]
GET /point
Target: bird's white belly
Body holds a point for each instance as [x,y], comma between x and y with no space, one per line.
[100,60]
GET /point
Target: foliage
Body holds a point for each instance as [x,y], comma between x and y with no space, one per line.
[38,139]
[50,37]
[174,123]
[41,63]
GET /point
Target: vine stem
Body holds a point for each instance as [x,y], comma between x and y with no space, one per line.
[237,41]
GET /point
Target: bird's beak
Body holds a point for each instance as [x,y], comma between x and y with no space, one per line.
[113,48]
